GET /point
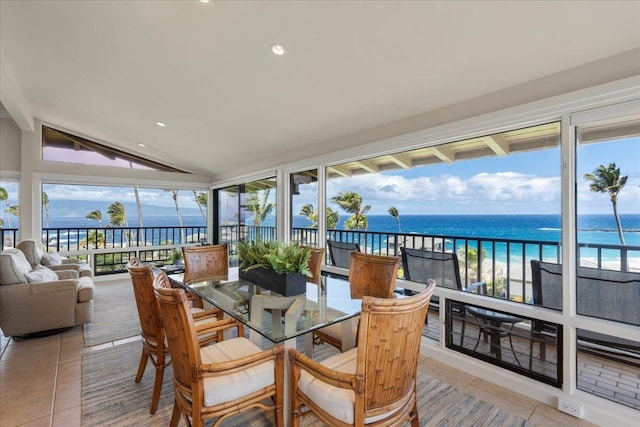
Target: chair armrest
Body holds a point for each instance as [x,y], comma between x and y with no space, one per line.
[214,312]
[336,378]
[54,286]
[67,274]
[219,325]
[63,266]
[224,368]
[211,332]
[478,286]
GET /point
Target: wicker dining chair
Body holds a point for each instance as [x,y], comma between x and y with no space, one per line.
[369,275]
[151,326]
[315,265]
[373,383]
[222,379]
[206,262]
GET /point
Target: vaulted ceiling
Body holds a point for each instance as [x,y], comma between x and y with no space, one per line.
[112,69]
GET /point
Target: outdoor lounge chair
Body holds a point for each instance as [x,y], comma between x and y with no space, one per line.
[605,294]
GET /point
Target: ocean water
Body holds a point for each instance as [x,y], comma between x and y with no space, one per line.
[593,229]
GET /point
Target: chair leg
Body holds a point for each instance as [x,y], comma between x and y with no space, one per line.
[157,389]
[143,364]
[415,421]
[175,415]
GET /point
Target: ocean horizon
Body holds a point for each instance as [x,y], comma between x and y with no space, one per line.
[595,228]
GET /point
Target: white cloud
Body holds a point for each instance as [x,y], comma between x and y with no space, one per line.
[508,192]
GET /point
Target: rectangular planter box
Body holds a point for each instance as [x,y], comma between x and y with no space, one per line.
[284,284]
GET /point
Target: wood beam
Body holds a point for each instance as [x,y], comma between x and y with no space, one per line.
[497,143]
[445,154]
[369,166]
[341,170]
[402,160]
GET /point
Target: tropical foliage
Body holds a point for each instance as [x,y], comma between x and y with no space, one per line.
[352,203]
[45,205]
[117,214]
[258,203]
[96,215]
[394,213]
[280,257]
[311,214]
[201,201]
[608,180]
[4,197]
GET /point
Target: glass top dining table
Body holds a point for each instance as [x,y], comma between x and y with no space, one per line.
[276,317]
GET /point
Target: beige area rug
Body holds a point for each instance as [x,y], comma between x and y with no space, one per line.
[110,397]
[115,314]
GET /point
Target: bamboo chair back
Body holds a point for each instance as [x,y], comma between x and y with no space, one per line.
[388,352]
[148,310]
[205,262]
[372,275]
[315,265]
[189,373]
[152,331]
[181,337]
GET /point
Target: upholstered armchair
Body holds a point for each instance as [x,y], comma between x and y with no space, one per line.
[40,299]
[34,252]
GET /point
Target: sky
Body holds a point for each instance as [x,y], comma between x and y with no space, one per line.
[516,184]
[519,183]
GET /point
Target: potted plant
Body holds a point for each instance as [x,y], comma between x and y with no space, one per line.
[279,267]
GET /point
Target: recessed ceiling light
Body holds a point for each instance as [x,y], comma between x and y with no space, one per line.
[204,1]
[277,49]
[160,124]
[142,145]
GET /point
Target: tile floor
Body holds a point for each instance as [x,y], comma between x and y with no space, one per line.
[40,384]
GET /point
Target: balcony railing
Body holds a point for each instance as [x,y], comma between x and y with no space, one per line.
[109,249]
[503,263]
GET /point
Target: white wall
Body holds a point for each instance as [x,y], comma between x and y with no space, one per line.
[9,146]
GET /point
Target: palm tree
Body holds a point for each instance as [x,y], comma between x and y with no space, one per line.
[14,210]
[394,213]
[261,207]
[201,201]
[117,214]
[45,205]
[4,197]
[95,238]
[352,203]
[311,214]
[174,195]
[97,215]
[138,206]
[608,180]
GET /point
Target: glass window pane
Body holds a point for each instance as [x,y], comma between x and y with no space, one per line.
[58,146]
[9,209]
[304,207]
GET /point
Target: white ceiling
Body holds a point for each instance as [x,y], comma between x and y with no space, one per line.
[111,69]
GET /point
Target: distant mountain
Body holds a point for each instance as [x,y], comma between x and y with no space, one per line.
[80,209]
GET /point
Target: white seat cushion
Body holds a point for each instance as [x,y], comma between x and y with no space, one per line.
[337,402]
[230,387]
[335,329]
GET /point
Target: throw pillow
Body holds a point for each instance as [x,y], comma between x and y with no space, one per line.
[51,259]
[41,274]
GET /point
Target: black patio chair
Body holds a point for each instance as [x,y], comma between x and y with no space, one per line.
[420,265]
[605,294]
[340,252]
